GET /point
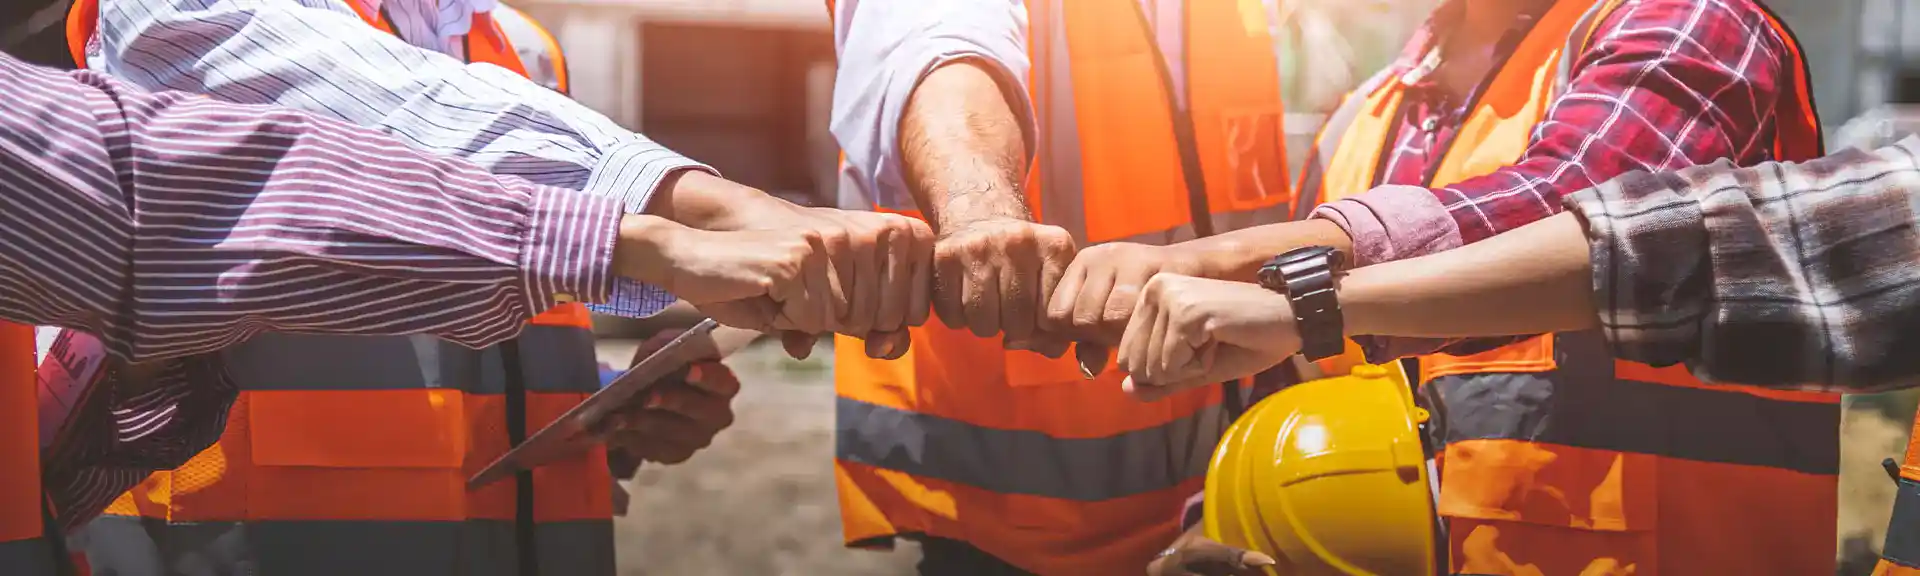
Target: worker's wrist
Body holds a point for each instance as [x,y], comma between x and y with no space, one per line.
[703,201]
[640,253]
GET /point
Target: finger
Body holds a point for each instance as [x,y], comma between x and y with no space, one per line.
[1093,358]
[824,300]
[920,292]
[895,279]
[949,288]
[982,300]
[888,345]
[1134,341]
[713,378]
[864,283]
[1049,346]
[1051,274]
[1166,566]
[799,345]
[704,412]
[757,313]
[1020,300]
[656,446]
[1152,362]
[1177,348]
[1090,305]
[1061,297]
[1118,308]
[1213,558]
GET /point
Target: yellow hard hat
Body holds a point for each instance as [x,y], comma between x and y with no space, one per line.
[1328,477]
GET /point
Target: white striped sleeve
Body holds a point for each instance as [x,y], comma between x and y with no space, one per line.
[318,56]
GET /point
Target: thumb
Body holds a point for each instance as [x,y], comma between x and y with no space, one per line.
[1212,558]
[799,345]
[1092,357]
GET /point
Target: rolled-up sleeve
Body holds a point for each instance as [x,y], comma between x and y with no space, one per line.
[1786,275]
[887,46]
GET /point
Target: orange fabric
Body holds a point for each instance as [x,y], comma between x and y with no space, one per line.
[406,454]
[19,436]
[407,458]
[1027,531]
[571,315]
[1885,568]
[1543,509]
[1528,508]
[487,43]
[82,19]
[1132,183]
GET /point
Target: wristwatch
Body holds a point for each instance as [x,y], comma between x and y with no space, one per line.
[1305,276]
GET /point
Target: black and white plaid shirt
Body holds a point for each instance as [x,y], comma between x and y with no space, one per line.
[1790,275]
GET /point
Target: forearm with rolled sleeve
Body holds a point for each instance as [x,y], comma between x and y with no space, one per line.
[886,47]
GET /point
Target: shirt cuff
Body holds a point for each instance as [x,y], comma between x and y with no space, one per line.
[1393,222]
[568,254]
[630,174]
[1641,238]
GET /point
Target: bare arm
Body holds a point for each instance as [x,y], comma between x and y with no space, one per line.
[1534,279]
[962,148]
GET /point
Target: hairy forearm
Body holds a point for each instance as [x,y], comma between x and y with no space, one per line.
[1534,279]
[962,149]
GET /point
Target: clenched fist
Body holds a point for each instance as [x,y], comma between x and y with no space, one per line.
[1097,295]
[1188,332]
[991,276]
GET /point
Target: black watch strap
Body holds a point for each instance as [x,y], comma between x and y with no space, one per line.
[1305,276]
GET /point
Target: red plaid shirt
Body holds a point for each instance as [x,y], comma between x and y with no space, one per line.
[1665,84]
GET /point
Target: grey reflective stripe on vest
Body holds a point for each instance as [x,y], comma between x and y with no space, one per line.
[29,557]
[1028,462]
[556,359]
[132,546]
[1582,404]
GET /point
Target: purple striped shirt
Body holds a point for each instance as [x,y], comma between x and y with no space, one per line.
[172,225]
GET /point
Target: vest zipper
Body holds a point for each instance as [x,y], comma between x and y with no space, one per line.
[526,546]
[1199,207]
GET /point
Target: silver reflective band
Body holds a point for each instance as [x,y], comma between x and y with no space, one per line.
[1028,462]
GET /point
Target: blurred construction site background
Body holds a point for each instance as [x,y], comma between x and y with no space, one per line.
[746,84]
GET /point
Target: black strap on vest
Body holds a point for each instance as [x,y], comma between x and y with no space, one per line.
[1199,209]
[526,545]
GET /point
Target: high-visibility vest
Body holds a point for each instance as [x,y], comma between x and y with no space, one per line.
[1018,454]
[1561,460]
[350,454]
[24,548]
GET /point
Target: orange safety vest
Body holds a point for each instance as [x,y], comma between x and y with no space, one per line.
[24,548]
[1561,460]
[349,454]
[1145,119]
